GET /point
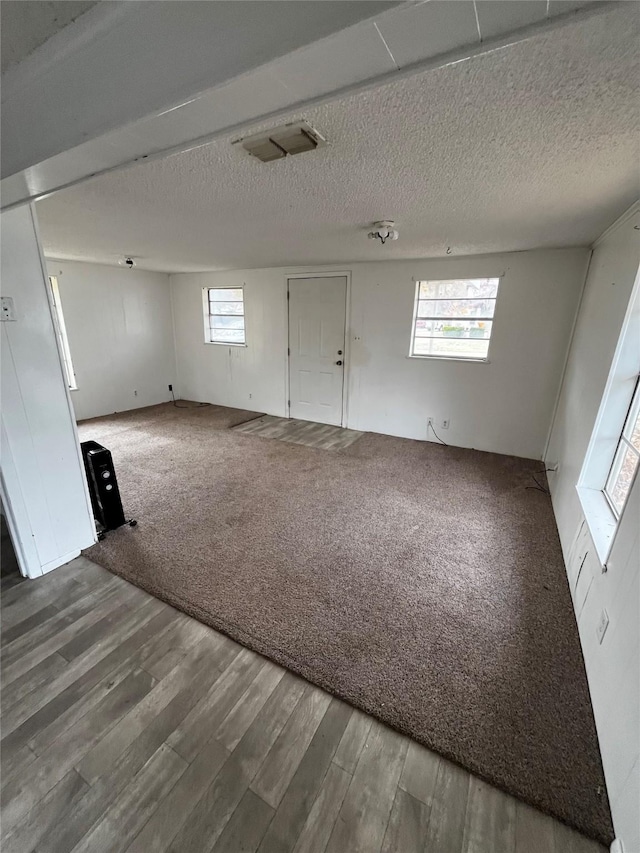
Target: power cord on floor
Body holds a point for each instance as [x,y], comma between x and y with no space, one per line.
[429,424]
[194,406]
[538,485]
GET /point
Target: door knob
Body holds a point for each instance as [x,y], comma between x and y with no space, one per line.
[338,362]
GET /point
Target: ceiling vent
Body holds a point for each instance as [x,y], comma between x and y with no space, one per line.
[290,139]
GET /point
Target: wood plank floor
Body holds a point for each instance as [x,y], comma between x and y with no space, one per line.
[128,726]
[308,433]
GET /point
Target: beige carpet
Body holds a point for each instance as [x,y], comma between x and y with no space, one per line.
[422,583]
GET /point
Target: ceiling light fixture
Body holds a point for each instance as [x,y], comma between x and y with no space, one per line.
[383,231]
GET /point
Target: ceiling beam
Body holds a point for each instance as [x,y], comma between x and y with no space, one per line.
[122,61]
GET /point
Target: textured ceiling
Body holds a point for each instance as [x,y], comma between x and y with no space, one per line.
[534,145]
[26,24]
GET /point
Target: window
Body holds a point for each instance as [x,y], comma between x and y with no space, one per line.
[625,461]
[454,319]
[612,460]
[224,316]
[61,329]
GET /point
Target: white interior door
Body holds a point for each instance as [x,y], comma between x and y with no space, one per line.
[317,314]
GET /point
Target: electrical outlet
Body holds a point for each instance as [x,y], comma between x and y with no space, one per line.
[444,424]
[135,393]
[250,396]
[8,310]
[602,625]
[170,387]
[429,422]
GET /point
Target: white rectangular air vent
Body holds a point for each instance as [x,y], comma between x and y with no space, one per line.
[289,139]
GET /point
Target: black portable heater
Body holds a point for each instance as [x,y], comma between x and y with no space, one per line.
[103,487]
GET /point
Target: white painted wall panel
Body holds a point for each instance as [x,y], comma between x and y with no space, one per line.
[251,377]
[504,406]
[120,332]
[613,667]
[41,465]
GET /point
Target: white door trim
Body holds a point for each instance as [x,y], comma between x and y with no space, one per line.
[347,325]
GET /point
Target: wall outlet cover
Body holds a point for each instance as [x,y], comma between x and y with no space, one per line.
[8,310]
[444,423]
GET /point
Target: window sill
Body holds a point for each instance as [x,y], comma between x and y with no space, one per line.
[600,520]
[450,358]
[223,344]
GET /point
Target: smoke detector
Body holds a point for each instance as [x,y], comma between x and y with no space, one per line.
[383,231]
[289,139]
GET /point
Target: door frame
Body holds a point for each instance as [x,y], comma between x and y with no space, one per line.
[344,419]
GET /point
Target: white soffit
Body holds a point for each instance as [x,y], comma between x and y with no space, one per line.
[368,53]
[534,145]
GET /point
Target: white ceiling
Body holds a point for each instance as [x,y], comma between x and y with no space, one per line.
[531,146]
[27,24]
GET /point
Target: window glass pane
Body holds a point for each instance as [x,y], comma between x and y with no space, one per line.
[454,317]
[472,329]
[621,476]
[451,347]
[219,294]
[634,438]
[632,426]
[457,288]
[226,322]
[231,336]
[226,308]
[456,308]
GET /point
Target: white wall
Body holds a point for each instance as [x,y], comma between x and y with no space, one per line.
[44,490]
[120,332]
[504,406]
[613,668]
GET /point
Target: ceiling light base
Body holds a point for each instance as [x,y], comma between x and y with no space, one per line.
[384,230]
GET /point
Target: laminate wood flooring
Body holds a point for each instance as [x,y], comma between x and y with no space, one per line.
[128,726]
[307,433]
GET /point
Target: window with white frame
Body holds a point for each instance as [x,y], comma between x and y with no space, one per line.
[454,318]
[626,458]
[612,460]
[61,331]
[224,316]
